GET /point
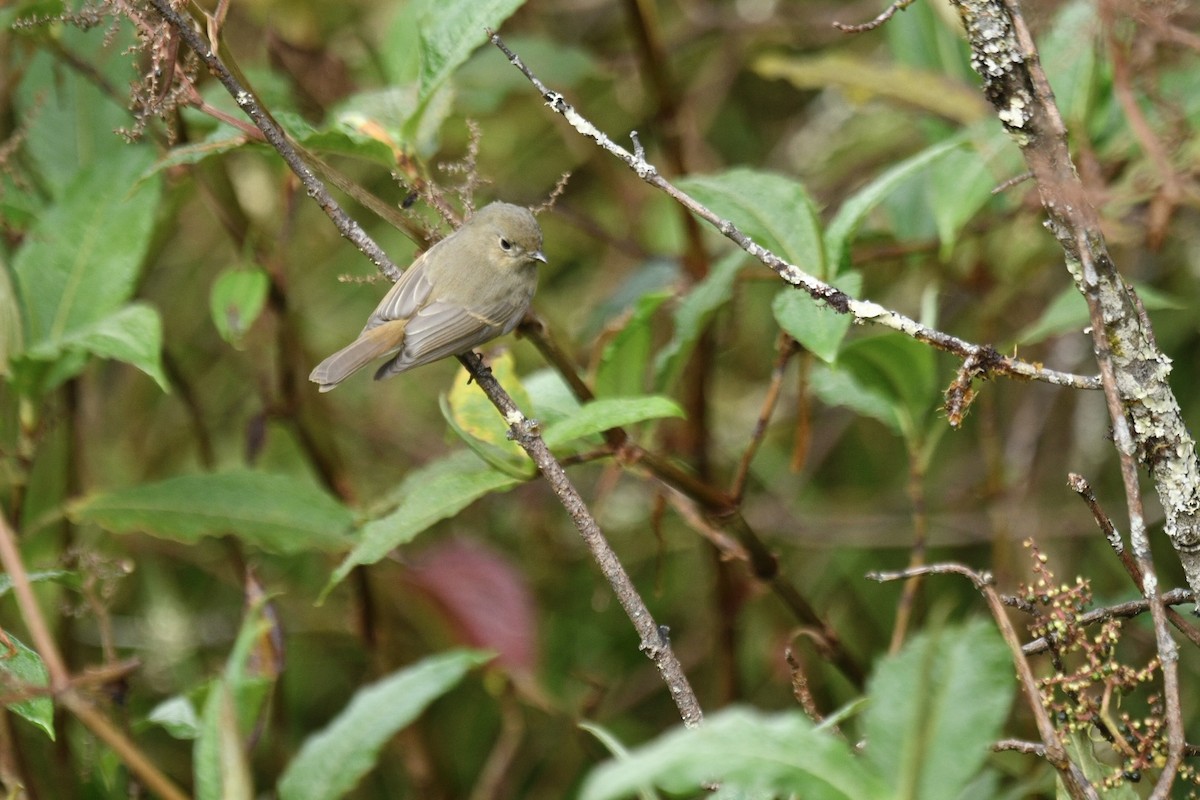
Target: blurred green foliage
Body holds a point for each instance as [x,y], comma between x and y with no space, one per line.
[283,563]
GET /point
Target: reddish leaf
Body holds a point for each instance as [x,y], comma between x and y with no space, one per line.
[485,599]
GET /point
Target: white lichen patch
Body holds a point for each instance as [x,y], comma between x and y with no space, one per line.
[1016,114]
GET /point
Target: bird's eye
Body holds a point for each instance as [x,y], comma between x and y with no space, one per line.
[505,244]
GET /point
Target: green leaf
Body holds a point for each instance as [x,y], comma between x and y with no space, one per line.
[959,184]
[380,124]
[609,412]
[925,38]
[80,262]
[891,377]
[12,339]
[348,136]
[426,43]
[331,763]
[71,121]
[223,140]
[476,421]
[625,357]
[236,299]
[1083,752]
[867,78]
[838,387]
[549,395]
[177,716]
[132,334]
[618,750]
[63,577]
[1068,312]
[773,210]
[1068,52]
[231,711]
[841,229]
[506,456]
[436,491]
[744,750]
[815,325]
[25,667]
[936,708]
[693,315]
[278,513]
[451,31]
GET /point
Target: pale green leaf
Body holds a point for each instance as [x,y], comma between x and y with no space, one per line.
[841,229]
[236,299]
[278,513]
[177,716]
[12,338]
[866,78]
[891,377]
[1091,757]
[477,422]
[618,750]
[231,711]
[79,264]
[958,186]
[451,31]
[746,751]
[609,412]
[1068,53]
[693,315]
[1069,312]
[132,334]
[25,667]
[773,210]
[626,356]
[63,577]
[71,120]
[815,325]
[936,708]
[332,762]
[427,495]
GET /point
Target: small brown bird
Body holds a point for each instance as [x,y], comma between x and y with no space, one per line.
[471,287]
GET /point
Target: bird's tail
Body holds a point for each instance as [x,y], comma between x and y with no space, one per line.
[369,346]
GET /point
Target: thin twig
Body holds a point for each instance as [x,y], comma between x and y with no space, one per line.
[991,361]
[1171,192]
[655,642]
[498,767]
[1015,180]
[884,16]
[1127,610]
[800,688]
[718,506]
[1020,746]
[60,679]
[920,520]
[787,348]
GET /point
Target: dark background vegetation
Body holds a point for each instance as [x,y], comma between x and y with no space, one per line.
[832,491]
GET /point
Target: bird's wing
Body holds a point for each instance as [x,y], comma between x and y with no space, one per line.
[406,295]
[443,328]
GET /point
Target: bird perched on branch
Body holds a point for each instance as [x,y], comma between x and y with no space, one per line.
[469,288]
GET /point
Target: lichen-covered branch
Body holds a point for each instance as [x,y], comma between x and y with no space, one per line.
[1147,422]
[1004,54]
[987,360]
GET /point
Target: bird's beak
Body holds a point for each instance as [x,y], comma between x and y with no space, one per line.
[538,255]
